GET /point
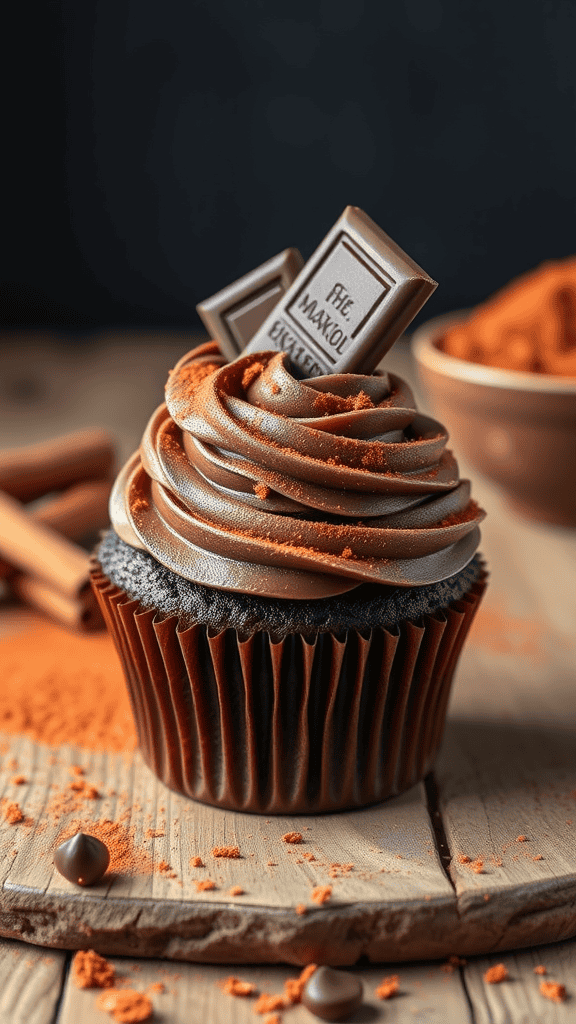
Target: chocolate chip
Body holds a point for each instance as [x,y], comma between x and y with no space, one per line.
[82,859]
[332,995]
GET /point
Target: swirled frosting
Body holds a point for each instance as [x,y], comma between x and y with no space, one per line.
[251,480]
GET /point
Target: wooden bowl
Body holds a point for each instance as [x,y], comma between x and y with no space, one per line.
[516,428]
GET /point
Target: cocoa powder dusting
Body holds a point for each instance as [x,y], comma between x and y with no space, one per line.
[189,378]
[250,374]
[47,692]
[327,404]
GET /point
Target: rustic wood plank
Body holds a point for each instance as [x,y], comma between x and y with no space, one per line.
[519,999]
[192,995]
[508,767]
[30,983]
[394,901]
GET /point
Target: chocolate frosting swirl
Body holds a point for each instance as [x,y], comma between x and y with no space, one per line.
[252,480]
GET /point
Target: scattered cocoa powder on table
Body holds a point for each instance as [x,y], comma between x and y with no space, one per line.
[58,687]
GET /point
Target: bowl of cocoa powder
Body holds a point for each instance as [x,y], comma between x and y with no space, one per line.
[502,378]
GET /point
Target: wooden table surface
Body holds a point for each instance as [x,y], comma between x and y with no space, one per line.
[507,768]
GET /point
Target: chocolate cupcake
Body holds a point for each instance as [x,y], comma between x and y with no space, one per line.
[289,580]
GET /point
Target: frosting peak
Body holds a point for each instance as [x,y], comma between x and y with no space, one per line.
[249,479]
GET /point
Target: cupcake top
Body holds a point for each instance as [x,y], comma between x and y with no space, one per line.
[251,480]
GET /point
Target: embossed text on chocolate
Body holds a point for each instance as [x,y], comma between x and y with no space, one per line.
[284,340]
[354,296]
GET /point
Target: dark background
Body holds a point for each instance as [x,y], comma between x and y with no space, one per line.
[157,150]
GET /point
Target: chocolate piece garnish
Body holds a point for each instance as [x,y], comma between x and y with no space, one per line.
[353,299]
[82,859]
[233,315]
[332,995]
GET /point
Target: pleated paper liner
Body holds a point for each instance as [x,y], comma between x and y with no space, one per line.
[296,726]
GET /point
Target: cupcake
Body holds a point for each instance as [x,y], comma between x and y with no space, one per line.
[289,579]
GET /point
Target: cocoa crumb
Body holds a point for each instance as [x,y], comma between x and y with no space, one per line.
[156,986]
[494,975]
[19,780]
[309,856]
[275,388]
[90,970]
[452,963]
[12,812]
[155,833]
[538,857]
[234,987]
[521,839]
[321,894]
[272,863]
[139,504]
[553,990]
[250,374]
[292,837]
[230,852]
[196,862]
[166,869]
[236,890]
[294,987]
[540,969]
[88,791]
[463,858]
[126,1005]
[388,987]
[478,866]
[301,909]
[274,1019]
[267,1003]
[261,491]
[205,885]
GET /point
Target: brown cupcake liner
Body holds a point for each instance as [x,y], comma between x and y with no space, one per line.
[295,726]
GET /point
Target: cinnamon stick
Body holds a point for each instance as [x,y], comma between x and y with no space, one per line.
[38,551]
[77,512]
[80,613]
[34,470]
